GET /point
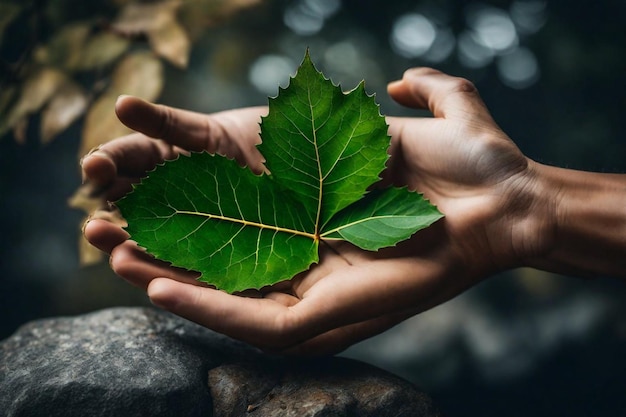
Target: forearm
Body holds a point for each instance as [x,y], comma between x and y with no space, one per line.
[589,234]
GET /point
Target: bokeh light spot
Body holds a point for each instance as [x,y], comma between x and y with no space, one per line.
[269,71]
[518,69]
[342,56]
[492,28]
[301,22]
[473,54]
[322,8]
[306,17]
[412,35]
[442,47]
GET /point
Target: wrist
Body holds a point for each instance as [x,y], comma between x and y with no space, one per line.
[531,216]
[586,235]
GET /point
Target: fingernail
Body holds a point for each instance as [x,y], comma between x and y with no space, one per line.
[122,97]
[88,154]
[82,229]
[101,154]
[92,150]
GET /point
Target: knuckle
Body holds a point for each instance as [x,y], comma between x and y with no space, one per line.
[167,122]
[211,134]
[198,297]
[462,85]
[120,261]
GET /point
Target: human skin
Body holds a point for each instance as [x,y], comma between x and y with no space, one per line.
[502,210]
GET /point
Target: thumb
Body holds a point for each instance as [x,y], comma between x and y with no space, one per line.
[445,96]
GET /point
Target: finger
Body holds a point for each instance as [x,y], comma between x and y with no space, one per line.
[118,189]
[139,268]
[263,322]
[104,235]
[253,320]
[445,96]
[113,191]
[232,133]
[336,301]
[129,156]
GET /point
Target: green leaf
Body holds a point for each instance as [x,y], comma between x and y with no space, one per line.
[206,213]
[322,144]
[323,150]
[382,218]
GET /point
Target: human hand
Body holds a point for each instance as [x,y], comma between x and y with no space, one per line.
[468,167]
[461,161]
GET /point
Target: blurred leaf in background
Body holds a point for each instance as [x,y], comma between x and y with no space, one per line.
[87,61]
[139,74]
[77,58]
[159,24]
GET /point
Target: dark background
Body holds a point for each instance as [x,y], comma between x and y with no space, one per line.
[553,73]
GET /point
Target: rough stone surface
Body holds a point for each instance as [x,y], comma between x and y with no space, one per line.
[328,387]
[145,362]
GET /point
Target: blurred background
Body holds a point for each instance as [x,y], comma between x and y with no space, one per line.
[553,73]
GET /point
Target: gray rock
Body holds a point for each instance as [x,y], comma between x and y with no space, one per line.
[324,387]
[145,362]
